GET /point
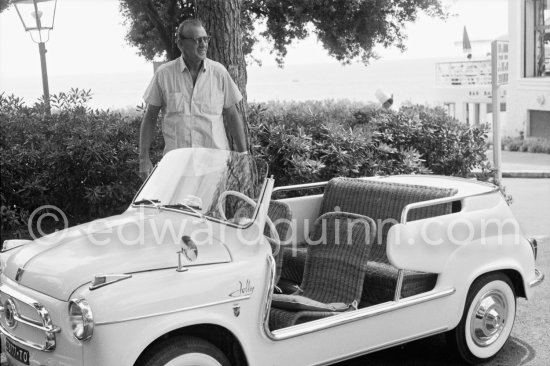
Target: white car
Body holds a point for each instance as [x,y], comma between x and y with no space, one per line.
[210,265]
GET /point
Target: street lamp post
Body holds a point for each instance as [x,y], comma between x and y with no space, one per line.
[38,17]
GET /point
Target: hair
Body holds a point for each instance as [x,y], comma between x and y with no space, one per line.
[186,24]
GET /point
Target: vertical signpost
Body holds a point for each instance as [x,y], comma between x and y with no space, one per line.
[499,71]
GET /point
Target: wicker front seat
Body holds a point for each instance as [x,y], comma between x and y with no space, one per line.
[281,216]
[335,268]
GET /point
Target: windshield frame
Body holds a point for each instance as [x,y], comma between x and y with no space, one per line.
[159,206]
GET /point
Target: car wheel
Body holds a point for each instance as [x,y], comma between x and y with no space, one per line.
[487,320]
[184,351]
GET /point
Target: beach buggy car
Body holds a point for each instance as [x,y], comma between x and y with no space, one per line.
[210,265]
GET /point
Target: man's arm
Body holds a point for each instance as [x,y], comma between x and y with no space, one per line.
[145,138]
[235,127]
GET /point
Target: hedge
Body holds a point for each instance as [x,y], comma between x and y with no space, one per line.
[84,161]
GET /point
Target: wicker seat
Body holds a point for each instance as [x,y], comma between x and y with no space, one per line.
[383,202]
[335,266]
[281,216]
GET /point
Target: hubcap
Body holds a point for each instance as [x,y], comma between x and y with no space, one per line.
[488,318]
[194,359]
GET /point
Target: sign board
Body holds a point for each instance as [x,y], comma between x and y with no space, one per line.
[499,71]
[502,62]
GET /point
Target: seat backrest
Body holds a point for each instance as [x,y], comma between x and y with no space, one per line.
[384,203]
[281,216]
[336,260]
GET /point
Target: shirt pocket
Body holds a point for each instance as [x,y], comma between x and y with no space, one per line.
[213,105]
[175,102]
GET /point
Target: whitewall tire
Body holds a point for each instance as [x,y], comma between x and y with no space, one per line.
[488,318]
[184,351]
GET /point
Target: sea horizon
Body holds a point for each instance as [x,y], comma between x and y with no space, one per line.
[409,80]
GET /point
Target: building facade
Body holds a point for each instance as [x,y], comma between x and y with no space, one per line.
[528,107]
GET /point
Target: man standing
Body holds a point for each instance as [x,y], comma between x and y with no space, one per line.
[196,94]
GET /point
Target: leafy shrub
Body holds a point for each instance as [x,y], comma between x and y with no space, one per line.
[512,144]
[447,146]
[304,142]
[83,161]
[537,145]
[528,144]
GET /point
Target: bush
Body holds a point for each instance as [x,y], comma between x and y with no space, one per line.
[83,161]
[447,146]
[528,144]
[306,142]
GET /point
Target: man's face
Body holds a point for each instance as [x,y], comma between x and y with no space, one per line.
[193,49]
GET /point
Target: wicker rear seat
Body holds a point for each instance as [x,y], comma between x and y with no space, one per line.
[383,202]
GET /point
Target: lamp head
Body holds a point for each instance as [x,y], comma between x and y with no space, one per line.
[37,17]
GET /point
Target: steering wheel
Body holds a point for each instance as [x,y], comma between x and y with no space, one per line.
[274,240]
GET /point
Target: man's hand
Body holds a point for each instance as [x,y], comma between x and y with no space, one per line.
[236,127]
[145,137]
[145,167]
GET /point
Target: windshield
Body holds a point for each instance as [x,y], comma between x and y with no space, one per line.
[204,181]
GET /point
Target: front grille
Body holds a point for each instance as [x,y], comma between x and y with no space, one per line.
[25,320]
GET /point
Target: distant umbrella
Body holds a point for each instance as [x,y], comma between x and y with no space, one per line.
[466,46]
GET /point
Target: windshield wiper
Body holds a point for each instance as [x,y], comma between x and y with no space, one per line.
[182,205]
[154,202]
[185,206]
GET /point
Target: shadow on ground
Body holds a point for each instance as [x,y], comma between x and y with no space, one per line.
[434,351]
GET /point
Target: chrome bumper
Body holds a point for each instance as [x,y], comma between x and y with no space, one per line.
[538,280]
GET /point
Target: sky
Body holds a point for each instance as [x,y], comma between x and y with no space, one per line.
[88,37]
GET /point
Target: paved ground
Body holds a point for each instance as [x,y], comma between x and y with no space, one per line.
[530,339]
[517,163]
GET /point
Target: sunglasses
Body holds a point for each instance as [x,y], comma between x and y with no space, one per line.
[197,40]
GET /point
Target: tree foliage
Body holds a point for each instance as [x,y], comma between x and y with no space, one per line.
[348,29]
[4,4]
[152,25]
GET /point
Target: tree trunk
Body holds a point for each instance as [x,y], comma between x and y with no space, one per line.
[222,21]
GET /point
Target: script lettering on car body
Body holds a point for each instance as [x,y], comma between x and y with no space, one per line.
[245,289]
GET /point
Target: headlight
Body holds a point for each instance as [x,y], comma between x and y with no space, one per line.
[81,318]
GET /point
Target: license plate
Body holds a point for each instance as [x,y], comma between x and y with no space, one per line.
[17,352]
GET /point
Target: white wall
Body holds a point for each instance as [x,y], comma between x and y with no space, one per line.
[524,94]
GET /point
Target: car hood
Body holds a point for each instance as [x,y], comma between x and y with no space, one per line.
[59,263]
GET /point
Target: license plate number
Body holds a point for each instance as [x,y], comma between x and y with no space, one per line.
[17,352]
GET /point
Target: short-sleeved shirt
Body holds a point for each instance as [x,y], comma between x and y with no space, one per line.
[193,115]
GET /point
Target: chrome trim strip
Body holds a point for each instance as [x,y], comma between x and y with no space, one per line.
[175,311]
[439,176]
[31,323]
[47,325]
[537,281]
[389,345]
[107,279]
[352,316]
[438,201]
[399,285]
[19,296]
[271,286]
[296,187]
[22,341]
